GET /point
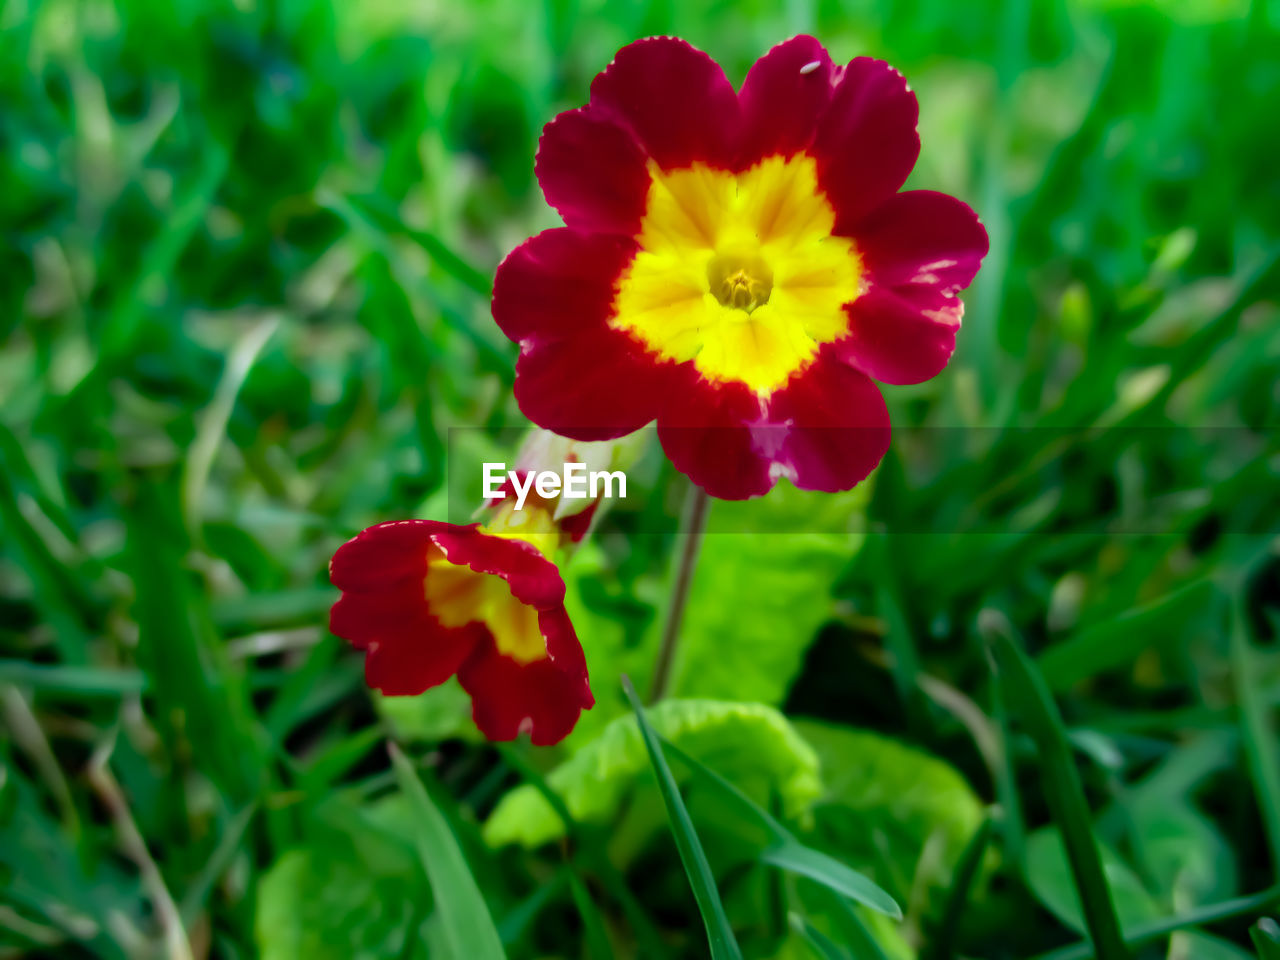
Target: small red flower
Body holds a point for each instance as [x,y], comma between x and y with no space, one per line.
[427,600]
[737,265]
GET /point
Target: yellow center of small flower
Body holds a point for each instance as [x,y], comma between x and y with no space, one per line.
[458,595]
[738,273]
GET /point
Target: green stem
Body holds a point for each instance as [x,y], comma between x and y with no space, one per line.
[693,525]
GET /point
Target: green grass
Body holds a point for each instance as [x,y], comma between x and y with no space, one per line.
[246,263]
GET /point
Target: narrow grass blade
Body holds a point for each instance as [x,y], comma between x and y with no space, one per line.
[832,874]
[862,942]
[85,682]
[1147,932]
[786,852]
[1266,939]
[822,945]
[464,918]
[943,945]
[380,212]
[213,421]
[1261,749]
[594,935]
[719,934]
[1028,698]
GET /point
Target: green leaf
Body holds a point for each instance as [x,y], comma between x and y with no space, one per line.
[1029,699]
[1261,747]
[1266,938]
[942,946]
[753,746]
[1119,640]
[1050,877]
[884,801]
[1181,850]
[823,946]
[314,905]
[467,925]
[442,713]
[832,874]
[351,893]
[719,934]
[594,935]
[1203,946]
[786,852]
[768,591]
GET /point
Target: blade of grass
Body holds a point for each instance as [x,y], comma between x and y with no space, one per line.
[719,934]
[594,936]
[943,945]
[591,856]
[1261,749]
[835,876]
[786,852]
[464,917]
[1266,939]
[1147,932]
[862,942]
[1028,698]
[378,210]
[72,681]
[821,944]
[213,420]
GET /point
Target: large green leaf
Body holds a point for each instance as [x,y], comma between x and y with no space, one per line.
[758,598]
[752,745]
[351,893]
[884,801]
[756,602]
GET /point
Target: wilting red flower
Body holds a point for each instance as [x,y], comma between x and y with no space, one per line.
[427,600]
[737,266]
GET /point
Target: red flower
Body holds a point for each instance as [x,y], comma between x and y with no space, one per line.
[737,266]
[426,600]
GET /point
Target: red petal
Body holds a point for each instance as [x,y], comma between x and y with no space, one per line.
[383,609]
[674,99]
[593,172]
[706,433]
[377,557]
[927,246]
[576,375]
[365,618]
[544,698]
[837,426]
[784,94]
[558,284]
[867,142]
[597,387]
[421,655]
[533,578]
[897,341]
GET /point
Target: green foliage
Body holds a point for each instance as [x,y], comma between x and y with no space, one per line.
[720,938]
[759,597]
[1050,876]
[247,250]
[884,803]
[750,744]
[353,891]
[461,913]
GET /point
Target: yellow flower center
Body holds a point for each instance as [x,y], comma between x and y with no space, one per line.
[458,595]
[738,273]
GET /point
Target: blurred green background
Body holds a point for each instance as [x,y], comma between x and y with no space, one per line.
[246,255]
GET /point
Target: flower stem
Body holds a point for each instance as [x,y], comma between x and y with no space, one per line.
[693,525]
